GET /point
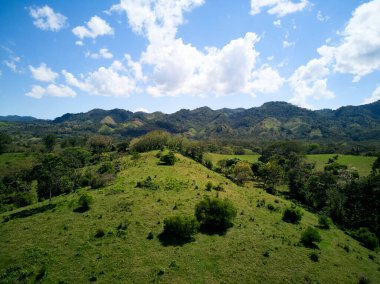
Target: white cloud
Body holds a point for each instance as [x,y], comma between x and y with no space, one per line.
[61,91]
[359,51]
[374,97]
[310,80]
[37,92]
[287,44]
[53,90]
[277,23]
[115,80]
[280,8]
[43,73]
[103,53]
[95,27]
[46,19]
[79,43]
[180,68]
[321,17]
[12,62]
[141,109]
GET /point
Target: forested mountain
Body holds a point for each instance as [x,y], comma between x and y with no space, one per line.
[272,120]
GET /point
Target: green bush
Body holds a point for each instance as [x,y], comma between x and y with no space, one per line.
[148,183]
[215,215]
[292,215]
[314,257]
[179,229]
[168,159]
[366,237]
[324,222]
[310,236]
[84,202]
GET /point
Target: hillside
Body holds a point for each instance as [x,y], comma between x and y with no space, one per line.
[60,246]
[273,120]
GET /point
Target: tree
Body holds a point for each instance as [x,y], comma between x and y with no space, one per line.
[178,229]
[310,237]
[99,144]
[4,141]
[49,142]
[215,215]
[168,159]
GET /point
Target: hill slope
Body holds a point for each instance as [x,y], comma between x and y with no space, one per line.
[59,245]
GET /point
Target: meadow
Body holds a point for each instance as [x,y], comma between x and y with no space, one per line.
[60,245]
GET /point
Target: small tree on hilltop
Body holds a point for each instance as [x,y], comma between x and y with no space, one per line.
[168,159]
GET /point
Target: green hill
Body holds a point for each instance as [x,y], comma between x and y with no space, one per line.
[58,245]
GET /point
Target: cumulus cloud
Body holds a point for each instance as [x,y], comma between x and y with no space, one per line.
[280,8]
[116,80]
[374,97]
[321,17]
[310,80]
[53,90]
[43,73]
[287,44]
[46,19]
[141,109]
[180,68]
[277,23]
[103,53]
[359,51]
[94,28]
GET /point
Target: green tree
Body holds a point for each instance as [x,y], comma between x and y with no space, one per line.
[168,159]
[49,141]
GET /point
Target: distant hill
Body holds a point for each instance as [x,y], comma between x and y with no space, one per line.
[16,118]
[272,120]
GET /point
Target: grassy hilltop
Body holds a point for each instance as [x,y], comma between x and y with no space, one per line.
[59,245]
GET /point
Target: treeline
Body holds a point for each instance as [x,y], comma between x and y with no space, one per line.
[351,201]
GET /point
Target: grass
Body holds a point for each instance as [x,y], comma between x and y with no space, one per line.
[59,245]
[215,158]
[13,162]
[361,163]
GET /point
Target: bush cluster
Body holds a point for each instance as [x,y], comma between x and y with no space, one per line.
[366,237]
[179,228]
[292,215]
[310,237]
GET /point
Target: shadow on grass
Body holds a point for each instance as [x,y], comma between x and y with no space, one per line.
[310,245]
[29,212]
[81,209]
[172,241]
[209,230]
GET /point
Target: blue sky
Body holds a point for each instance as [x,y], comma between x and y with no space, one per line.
[161,55]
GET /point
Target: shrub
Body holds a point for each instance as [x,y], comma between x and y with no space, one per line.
[366,237]
[215,215]
[310,236]
[168,159]
[324,222]
[209,186]
[148,183]
[99,233]
[314,257]
[179,229]
[84,202]
[98,181]
[292,215]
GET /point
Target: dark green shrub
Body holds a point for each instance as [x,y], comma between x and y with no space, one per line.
[324,222]
[84,202]
[366,237]
[314,257]
[310,236]
[363,280]
[292,215]
[179,229]
[99,233]
[209,186]
[215,215]
[168,159]
[99,181]
[148,183]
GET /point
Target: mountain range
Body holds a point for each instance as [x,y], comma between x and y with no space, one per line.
[272,120]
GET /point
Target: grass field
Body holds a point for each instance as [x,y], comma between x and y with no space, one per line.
[13,162]
[59,245]
[361,163]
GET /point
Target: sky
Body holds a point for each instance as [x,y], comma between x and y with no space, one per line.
[62,56]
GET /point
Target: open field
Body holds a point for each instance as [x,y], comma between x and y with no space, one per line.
[362,164]
[59,245]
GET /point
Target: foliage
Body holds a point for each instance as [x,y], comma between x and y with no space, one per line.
[49,141]
[292,215]
[99,144]
[310,237]
[76,157]
[179,229]
[5,140]
[168,159]
[148,183]
[84,202]
[366,237]
[215,215]
[324,222]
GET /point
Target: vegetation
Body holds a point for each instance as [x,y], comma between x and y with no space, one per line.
[178,229]
[215,215]
[292,215]
[310,237]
